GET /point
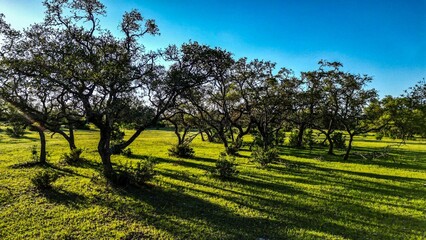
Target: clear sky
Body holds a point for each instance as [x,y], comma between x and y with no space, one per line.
[385,39]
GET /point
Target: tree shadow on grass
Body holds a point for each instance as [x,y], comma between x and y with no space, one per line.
[373,183]
[86,163]
[63,197]
[28,164]
[32,139]
[195,162]
[189,217]
[56,168]
[185,216]
[397,158]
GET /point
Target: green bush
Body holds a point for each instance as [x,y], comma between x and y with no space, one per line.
[16,131]
[225,168]
[72,157]
[137,176]
[232,150]
[182,150]
[143,172]
[234,147]
[292,138]
[339,140]
[265,157]
[309,139]
[34,154]
[379,136]
[43,180]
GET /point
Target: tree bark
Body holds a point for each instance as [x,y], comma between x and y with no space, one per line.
[202,136]
[72,139]
[69,138]
[42,158]
[348,149]
[330,144]
[302,128]
[277,133]
[105,152]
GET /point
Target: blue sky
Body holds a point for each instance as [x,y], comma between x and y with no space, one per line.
[384,39]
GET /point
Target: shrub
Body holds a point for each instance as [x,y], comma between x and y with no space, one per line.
[234,147]
[72,157]
[232,150]
[280,137]
[138,176]
[16,131]
[264,157]
[143,172]
[43,180]
[182,150]
[292,139]
[117,137]
[117,134]
[379,136]
[34,154]
[309,139]
[225,168]
[339,140]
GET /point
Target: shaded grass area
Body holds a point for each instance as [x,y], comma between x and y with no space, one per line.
[307,195]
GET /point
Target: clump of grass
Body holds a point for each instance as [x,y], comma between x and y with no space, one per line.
[182,150]
[264,157]
[225,168]
[137,176]
[72,157]
[34,154]
[16,131]
[43,180]
[339,140]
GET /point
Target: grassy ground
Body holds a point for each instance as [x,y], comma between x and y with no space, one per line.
[308,195]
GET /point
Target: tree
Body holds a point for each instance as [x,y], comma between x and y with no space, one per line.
[210,99]
[269,101]
[405,114]
[353,100]
[323,90]
[110,77]
[417,98]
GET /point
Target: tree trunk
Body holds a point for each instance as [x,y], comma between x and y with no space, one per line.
[72,139]
[302,128]
[177,133]
[330,144]
[223,138]
[105,152]
[202,136]
[277,136]
[348,149]
[42,158]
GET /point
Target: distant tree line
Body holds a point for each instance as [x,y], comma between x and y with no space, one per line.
[67,71]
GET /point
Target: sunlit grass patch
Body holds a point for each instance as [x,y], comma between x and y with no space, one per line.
[305,195]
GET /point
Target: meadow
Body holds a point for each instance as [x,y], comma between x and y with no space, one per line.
[306,195]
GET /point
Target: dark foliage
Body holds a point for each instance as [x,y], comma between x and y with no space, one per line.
[264,157]
[225,167]
[72,157]
[339,140]
[182,150]
[43,180]
[134,176]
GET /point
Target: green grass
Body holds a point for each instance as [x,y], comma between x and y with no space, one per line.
[308,195]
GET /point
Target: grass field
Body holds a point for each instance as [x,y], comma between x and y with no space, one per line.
[307,195]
